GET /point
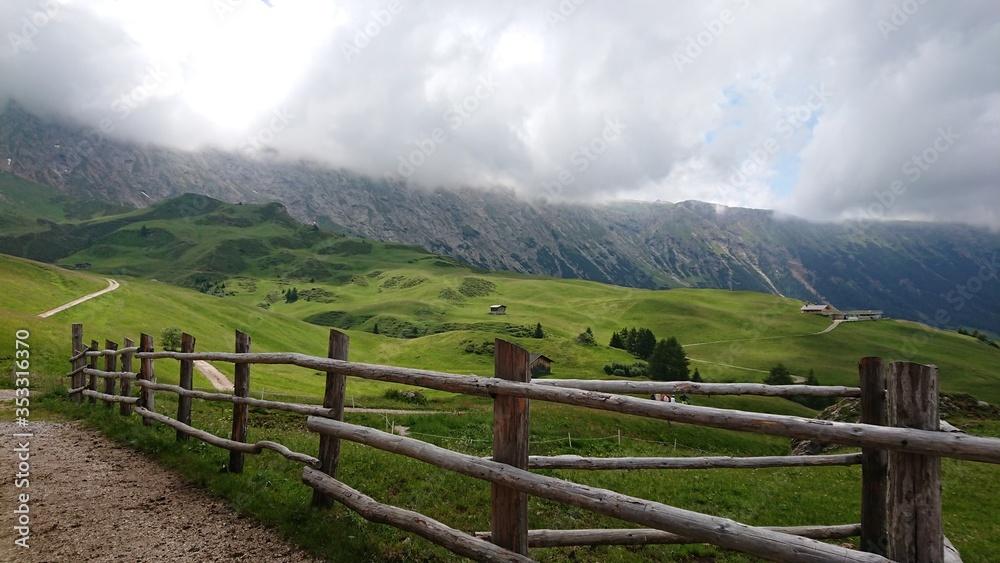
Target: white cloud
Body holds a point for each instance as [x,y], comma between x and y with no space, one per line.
[704,88]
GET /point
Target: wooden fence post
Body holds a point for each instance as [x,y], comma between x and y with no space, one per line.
[187,382]
[77,380]
[110,364]
[874,463]
[333,399]
[92,364]
[510,446]
[146,396]
[241,388]
[914,510]
[125,409]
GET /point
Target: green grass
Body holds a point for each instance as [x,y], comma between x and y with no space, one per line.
[23,203]
[389,283]
[270,487]
[33,287]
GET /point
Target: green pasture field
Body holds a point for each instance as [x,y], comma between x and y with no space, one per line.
[758,330]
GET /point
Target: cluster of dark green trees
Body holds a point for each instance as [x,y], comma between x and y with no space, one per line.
[667,359]
[638,342]
[291,295]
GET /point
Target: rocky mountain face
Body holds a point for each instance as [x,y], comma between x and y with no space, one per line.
[945,275]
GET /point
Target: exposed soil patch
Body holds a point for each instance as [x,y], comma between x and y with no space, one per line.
[94,500]
[216,377]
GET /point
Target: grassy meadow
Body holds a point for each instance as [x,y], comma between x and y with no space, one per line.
[430,311]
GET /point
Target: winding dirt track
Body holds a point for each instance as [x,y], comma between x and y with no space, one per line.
[94,500]
[112,285]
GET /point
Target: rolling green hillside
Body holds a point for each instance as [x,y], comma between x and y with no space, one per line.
[431,311]
[434,314]
[448,324]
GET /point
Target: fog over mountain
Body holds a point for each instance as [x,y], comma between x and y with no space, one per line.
[942,274]
[825,110]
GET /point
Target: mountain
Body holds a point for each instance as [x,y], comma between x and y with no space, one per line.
[941,274]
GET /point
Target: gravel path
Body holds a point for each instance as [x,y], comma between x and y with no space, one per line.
[94,500]
[112,285]
[216,377]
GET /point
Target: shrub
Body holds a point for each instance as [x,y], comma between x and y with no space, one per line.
[484,349]
[452,295]
[638,369]
[170,338]
[411,397]
[779,375]
[477,287]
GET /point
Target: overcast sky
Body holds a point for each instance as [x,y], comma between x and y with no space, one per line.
[824,109]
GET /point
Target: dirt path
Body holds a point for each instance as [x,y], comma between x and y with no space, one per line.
[832,326]
[112,285]
[216,377]
[795,378]
[93,500]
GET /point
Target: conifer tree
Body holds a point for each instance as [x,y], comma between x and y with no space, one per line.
[616,341]
[668,362]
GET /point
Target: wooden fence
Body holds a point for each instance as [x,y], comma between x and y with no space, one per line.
[899,439]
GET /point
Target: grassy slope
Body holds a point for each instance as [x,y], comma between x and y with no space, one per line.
[564,308]
[23,202]
[33,287]
[259,250]
[758,330]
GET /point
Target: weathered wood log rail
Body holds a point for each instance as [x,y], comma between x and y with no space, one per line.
[896,524]
[650,536]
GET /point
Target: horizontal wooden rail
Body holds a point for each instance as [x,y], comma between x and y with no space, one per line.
[109,398]
[716,462]
[455,540]
[926,442]
[111,374]
[647,536]
[77,371]
[309,410]
[75,390]
[710,529]
[224,443]
[119,352]
[691,388]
